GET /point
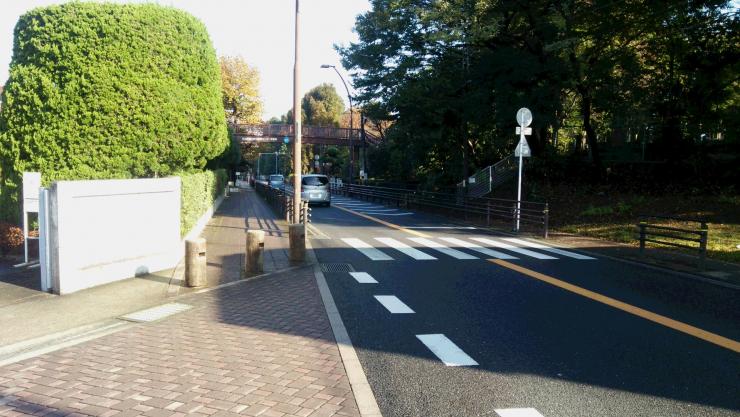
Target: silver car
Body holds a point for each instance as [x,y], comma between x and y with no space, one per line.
[276,181]
[315,189]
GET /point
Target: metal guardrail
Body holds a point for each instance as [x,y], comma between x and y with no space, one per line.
[653,232]
[481,210]
[282,202]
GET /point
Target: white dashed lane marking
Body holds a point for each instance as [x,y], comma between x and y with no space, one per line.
[478,248]
[547,248]
[363,278]
[442,248]
[393,304]
[518,412]
[446,350]
[406,249]
[512,248]
[366,249]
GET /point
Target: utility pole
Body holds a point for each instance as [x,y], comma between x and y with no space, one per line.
[297,121]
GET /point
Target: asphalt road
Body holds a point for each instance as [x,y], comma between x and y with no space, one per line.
[563,337]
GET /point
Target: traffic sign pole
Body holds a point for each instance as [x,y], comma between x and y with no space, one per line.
[519,188]
[524,118]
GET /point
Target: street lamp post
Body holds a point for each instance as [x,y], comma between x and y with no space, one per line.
[297,121]
[351,120]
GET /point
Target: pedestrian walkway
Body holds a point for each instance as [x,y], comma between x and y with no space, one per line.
[262,347]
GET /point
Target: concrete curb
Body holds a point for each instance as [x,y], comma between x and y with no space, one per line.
[364,396]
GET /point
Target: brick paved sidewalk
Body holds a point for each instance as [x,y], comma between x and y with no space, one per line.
[262,347]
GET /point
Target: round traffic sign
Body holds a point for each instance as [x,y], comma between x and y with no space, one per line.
[286,140]
[524,117]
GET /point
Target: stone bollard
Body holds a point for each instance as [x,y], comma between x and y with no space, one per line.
[195,262]
[297,235]
[255,249]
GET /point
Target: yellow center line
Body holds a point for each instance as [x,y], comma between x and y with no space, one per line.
[637,311]
[383,222]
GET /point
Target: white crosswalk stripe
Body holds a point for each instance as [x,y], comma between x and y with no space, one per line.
[478,248]
[366,249]
[512,248]
[442,248]
[406,249]
[386,214]
[547,248]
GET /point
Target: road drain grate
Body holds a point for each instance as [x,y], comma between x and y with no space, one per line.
[337,268]
[156,313]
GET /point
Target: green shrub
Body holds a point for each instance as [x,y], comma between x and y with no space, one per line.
[597,211]
[199,191]
[108,91]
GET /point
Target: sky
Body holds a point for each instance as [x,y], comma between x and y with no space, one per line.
[260,31]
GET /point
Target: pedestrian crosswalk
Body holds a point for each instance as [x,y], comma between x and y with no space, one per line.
[471,248]
[369,208]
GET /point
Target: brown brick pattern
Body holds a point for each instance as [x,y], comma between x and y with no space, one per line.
[261,348]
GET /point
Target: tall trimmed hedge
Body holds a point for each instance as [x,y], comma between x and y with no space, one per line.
[108,91]
[198,192]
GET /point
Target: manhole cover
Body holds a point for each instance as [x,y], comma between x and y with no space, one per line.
[156,313]
[337,268]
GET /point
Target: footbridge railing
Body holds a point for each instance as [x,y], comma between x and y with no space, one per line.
[310,134]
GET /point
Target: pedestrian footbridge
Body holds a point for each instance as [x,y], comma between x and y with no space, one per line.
[311,135]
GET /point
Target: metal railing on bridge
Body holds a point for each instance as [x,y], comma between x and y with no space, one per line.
[272,132]
[488,178]
[490,212]
[282,202]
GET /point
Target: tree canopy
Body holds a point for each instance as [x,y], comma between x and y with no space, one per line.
[320,106]
[450,75]
[240,87]
[108,91]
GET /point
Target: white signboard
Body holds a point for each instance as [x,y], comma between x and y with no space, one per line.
[522,149]
[524,117]
[31,185]
[527,130]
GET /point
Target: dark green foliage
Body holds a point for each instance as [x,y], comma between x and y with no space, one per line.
[108,91]
[597,75]
[322,106]
[198,192]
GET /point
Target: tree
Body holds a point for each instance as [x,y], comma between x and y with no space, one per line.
[240,86]
[322,106]
[449,75]
[108,91]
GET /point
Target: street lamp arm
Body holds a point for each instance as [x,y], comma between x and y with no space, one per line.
[351,126]
[349,96]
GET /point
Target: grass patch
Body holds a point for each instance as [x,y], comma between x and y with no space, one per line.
[614,216]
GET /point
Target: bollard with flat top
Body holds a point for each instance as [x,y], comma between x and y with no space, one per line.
[195,262]
[255,250]
[297,235]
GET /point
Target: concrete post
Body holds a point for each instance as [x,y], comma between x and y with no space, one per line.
[195,262]
[255,250]
[297,235]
